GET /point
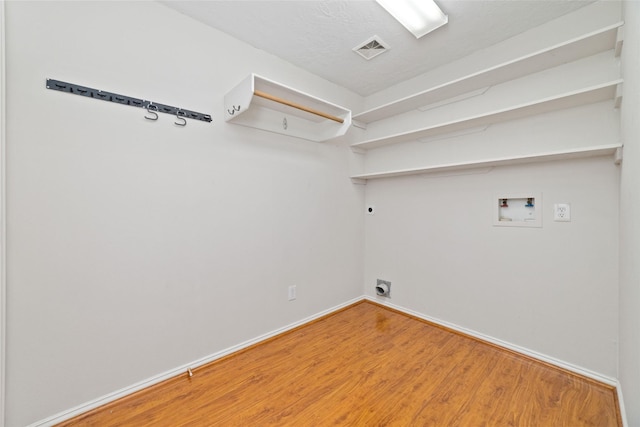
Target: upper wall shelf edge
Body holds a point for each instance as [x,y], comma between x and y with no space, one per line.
[567,154]
[571,50]
[584,96]
[265,104]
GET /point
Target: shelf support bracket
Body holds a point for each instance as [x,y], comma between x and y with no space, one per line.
[618,96]
[617,156]
[359,125]
[619,41]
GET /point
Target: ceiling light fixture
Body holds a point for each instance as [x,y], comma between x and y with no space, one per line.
[418,16]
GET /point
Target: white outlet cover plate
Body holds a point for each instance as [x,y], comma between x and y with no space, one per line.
[562,212]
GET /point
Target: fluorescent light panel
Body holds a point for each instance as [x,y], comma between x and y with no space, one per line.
[418,16]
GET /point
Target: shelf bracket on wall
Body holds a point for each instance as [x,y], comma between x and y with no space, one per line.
[619,41]
[618,156]
[618,96]
[126,100]
[359,125]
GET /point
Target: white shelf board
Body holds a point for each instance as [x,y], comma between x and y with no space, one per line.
[244,107]
[601,92]
[571,50]
[575,153]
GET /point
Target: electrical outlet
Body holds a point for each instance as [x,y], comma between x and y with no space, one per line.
[292,292]
[562,212]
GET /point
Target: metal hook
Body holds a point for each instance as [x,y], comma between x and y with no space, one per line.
[180,118]
[233,110]
[151,112]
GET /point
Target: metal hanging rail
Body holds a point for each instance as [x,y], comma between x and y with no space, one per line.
[126,100]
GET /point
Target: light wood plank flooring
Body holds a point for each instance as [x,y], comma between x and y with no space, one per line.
[368,366]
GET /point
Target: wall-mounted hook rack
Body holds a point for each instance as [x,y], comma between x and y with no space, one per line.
[180,116]
[151,109]
[125,100]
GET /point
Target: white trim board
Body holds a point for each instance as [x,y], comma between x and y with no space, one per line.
[623,412]
[182,370]
[3,204]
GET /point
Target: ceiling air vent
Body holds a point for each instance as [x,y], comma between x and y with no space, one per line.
[371,48]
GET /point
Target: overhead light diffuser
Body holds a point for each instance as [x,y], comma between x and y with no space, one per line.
[418,16]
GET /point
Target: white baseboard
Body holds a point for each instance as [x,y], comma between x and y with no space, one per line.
[181,370]
[623,412]
[63,416]
[522,350]
[3,213]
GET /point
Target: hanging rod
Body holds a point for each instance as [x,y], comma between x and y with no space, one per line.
[125,100]
[297,106]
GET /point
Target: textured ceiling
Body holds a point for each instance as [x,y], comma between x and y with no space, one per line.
[319,35]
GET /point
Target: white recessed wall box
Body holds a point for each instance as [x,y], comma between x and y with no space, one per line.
[517,210]
[264,104]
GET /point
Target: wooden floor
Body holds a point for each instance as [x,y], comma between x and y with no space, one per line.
[368,366]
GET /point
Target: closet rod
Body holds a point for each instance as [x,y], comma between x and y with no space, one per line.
[125,100]
[297,106]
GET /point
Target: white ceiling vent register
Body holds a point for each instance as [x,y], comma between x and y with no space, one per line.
[371,48]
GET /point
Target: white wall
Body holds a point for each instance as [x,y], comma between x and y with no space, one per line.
[135,247]
[2,215]
[552,290]
[629,372]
